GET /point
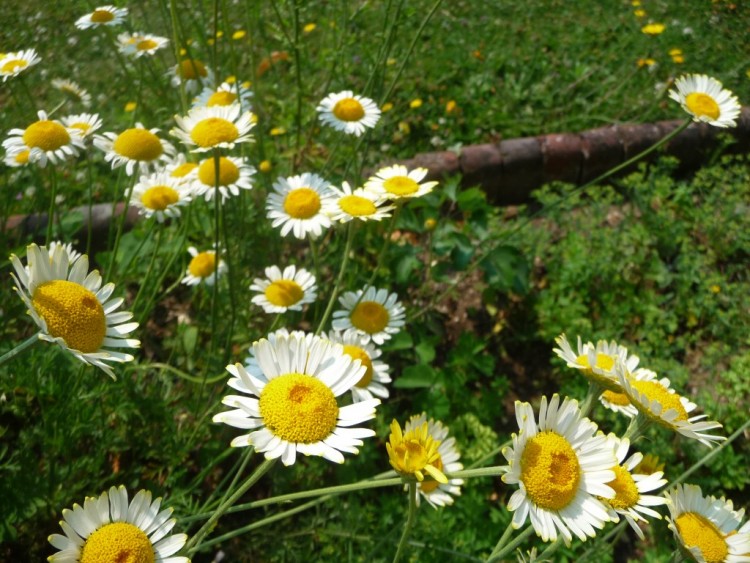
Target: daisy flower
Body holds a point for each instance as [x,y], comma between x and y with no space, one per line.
[17,159]
[434,492]
[706,527]
[234,174]
[293,408]
[398,182]
[660,404]
[160,195]
[139,44]
[71,307]
[135,147]
[629,487]
[13,64]
[193,73]
[103,15]
[358,204]
[45,139]
[109,529]
[84,124]
[374,313]
[73,91]
[596,363]
[376,372]
[301,204]
[225,95]
[706,100]
[284,291]
[349,113]
[180,167]
[67,247]
[561,466]
[203,267]
[618,402]
[208,128]
[414,453]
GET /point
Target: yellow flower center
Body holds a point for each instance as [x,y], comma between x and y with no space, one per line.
[183,170]
[146,44]
[702,105]
[203,264]
[81,126]
[400,185]
[603,361]
[655,391]
[298,408]
[46,135]
[159,198]
[102,16]
[429,486]
[221,98]
[191,69]
[118,542]
[358,353]
[284,293]
[23,157]
[302,203]
[698,531]
[72,313]
[348,109]
[213,131]
[649,464]
[13,65]
[626,492]
[415,452]
[370,317]
[229,173]
[615,398]
[550,471]
[357,206]
[138,144]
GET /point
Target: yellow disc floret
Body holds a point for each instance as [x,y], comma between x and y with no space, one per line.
[118,542]
[626,491]
[357,206]
[702,105]
[229,173]
[221,98]
[550,471]
[415,452]
[191,69]
[299,408]
[302,203]
[358,353]
[146,45]
[13,65]
[72,313]
[370,317]
[102,16]
[159,198]
[348,109]
[23,157]
[138,144]
[698,531]
[213,131]
[46,135]
[615,398]
[400,185]
[655,391]
[203,264]
[183,169]
[284,293]
[431,485]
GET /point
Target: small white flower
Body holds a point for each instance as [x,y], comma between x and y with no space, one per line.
[347,112]
[284,291]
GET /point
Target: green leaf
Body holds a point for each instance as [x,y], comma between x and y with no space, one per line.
[416,377]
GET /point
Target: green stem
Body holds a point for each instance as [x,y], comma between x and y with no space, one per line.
[176,45]
[296,161]
[384,248]
[51,212]
[20,348]
[551,548]
[411,516]
[120,226]
[637,426]
[217,251]
[90,189]
[499,554]
[154,254]
[592,394]
[344,261]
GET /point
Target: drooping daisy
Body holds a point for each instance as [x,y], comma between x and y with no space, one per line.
[109,529]
[160,195]
[358,204]
[374,313]
[234,174]
[414,453]
[301,204]
[13,64]
[208,128]
[71,307]
[561,466]
[596,363]
[706,527]
[618,402]
[225,95]
[398,182]
[45,139]
[135,147]
[347,112]
[284,291]
[629,487]
[706,100]
[73,91]
[193,73]
[376,372]
[662,405]
[434,492]
[137,45]
[293,408]
[204,267]
[84,124]
[103,15]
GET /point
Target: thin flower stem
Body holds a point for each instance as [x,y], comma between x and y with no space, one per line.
[551,549]
[20,348]
[384,248]
[411,516]
[157,246]
[51,212]
[503,540]
[604,540]
[176,45]
[217,258]
[193,543]
[518,540]
[297,160]
[637,426]
[480,462]
[120,226]
[344,261]
[592,394]
[90,190]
